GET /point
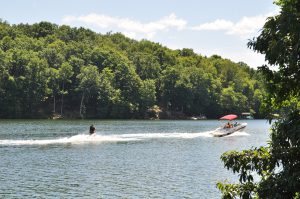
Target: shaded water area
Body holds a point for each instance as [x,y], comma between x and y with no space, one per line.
[125,159]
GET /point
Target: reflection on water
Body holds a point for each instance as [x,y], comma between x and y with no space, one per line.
[126,159]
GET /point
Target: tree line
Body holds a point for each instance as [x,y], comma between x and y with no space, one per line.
[47,69]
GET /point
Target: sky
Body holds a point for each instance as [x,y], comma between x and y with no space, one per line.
[209,27]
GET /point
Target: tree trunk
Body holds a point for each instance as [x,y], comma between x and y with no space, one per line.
[62,99]
[54,103]
[81,105]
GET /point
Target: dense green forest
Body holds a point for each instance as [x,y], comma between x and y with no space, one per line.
[46,69]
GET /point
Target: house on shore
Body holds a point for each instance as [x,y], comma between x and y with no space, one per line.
[247,115]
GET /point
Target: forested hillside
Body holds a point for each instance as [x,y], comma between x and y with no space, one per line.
[47,69]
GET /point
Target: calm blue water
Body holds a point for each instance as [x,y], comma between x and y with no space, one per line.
[126,159]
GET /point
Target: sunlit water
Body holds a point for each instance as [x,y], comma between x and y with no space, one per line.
[125,159]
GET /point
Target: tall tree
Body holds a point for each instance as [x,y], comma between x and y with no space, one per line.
[147,95]
[278,164]
[65,72]
[53,85]
[108,95]
[88,84]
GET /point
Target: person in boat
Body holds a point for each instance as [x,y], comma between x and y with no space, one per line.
[235,124]
[92,129]
[227,125]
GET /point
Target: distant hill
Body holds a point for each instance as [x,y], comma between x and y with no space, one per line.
[49,70]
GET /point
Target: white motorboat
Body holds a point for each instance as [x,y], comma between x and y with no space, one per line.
[228,128]
[223,131]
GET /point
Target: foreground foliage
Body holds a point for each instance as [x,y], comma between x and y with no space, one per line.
[277,165]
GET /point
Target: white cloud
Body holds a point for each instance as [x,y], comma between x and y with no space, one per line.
[244,28]
[129,27]
[248,26]
[219,24]
[236,54]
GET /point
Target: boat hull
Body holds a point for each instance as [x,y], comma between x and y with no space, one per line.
[221,131]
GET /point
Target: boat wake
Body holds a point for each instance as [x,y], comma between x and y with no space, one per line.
[83,138]
[238,133]
[76,139]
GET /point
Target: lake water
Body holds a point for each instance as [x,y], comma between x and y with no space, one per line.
[125,159]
